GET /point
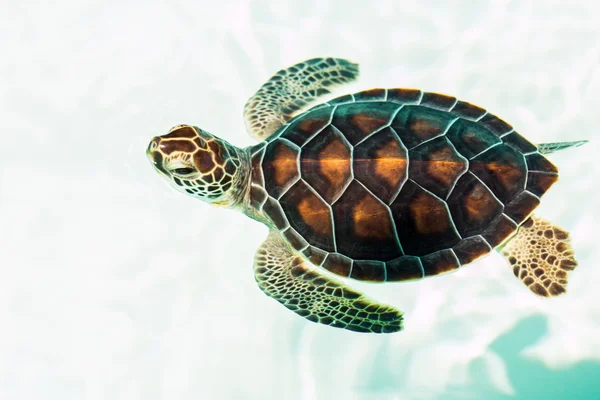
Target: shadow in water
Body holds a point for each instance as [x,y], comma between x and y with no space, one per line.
[531,379]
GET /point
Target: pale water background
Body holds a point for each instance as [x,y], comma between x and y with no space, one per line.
[115,286]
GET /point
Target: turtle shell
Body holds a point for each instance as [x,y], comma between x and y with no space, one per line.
[397,184]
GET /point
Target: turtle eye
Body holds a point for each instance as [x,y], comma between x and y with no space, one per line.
[184,171]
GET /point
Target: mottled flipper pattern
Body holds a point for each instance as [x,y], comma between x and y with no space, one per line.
[300,287]
[289,90]
[541,255]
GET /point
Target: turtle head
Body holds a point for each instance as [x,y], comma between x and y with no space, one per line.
[196,162]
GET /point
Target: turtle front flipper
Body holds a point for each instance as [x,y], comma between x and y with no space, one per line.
[299,286]
[289,90]
[541,255]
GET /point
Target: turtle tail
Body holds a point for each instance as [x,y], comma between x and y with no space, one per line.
[546,148]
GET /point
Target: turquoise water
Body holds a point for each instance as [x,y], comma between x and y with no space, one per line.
[115,286]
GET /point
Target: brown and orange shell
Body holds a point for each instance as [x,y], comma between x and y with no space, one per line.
[397,184]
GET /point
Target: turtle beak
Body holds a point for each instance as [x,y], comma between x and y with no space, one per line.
[155,156]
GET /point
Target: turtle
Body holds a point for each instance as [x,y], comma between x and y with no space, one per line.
[383,185]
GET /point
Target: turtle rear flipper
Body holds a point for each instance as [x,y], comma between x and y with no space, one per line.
[547,148]
[291,90]
[541,256]
[293,282]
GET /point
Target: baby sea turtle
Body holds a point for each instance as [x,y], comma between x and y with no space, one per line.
[383,185]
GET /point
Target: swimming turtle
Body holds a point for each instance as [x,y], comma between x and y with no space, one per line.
[383,185]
